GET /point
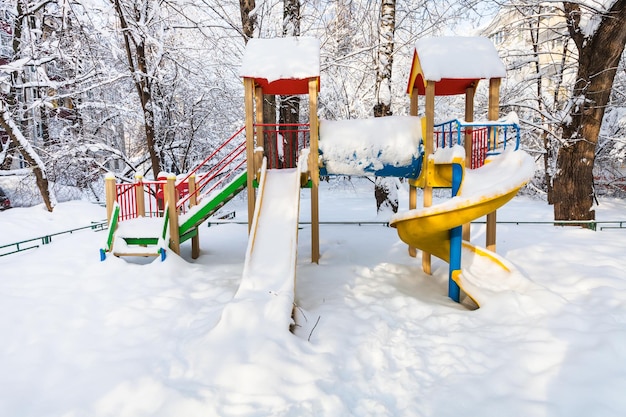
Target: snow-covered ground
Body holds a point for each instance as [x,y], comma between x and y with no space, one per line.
[375,336]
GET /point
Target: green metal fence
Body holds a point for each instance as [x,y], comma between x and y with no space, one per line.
[35,242]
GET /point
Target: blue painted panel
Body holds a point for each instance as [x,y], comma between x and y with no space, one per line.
[387,170]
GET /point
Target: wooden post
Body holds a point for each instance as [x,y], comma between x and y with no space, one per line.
[259,129]
[413,110]
[260,139]
[139,196]
[248,84]
[468,142]
[193,200]
[170,200]
[428,150]
[494,105]
[412,205]
[111,194]
[313,164]
[469,117]
[494,108]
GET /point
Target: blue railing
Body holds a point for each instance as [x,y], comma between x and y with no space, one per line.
[490,137]
[498,133]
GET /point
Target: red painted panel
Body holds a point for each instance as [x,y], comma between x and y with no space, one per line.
[284,87]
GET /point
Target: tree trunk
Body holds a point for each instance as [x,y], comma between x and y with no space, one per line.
[289,111]
[144,90]
[29,155]
[385,189]
[385,58]
[598,57]
[289,114]
[9,150]
[573,186]
[248,21]
[139,73]
[386,194]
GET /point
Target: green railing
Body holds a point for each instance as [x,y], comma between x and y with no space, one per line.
[35,242]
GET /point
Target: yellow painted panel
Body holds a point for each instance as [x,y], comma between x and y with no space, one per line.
[429,232]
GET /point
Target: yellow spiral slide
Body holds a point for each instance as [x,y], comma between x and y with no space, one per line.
[482,191]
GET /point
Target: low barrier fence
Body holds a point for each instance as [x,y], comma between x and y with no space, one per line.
[27,244]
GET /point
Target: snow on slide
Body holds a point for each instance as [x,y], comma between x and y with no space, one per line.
[484,274]
[483,190]
[264,300]
[253,330]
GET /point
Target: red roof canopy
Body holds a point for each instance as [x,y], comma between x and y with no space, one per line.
[285,86]
[443,87]
[453,64]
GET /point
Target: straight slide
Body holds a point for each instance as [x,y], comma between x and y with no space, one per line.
[265,297]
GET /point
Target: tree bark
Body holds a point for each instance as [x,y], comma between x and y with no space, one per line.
[598,58]
[248,21]
[385,58]
[385,188]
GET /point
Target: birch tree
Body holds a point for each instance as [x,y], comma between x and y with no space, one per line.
[385,58]
[385,189]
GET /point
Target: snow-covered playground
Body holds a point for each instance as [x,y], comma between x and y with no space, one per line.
[378,337]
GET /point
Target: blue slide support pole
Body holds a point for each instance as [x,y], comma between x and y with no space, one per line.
[456,239]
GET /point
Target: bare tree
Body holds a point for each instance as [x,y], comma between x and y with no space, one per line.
[133,17]
[14,104]
[533,40]
[29,155]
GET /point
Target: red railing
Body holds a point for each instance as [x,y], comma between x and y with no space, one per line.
[127,200]
[480,146]
[283,142]
[480,136]
[222,163]
[152,193]
[214,170]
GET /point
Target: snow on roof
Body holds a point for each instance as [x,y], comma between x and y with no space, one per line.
[281,58]
[459,57]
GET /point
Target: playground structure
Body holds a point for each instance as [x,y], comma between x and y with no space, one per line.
[442,230]
[147,218]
